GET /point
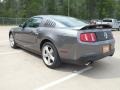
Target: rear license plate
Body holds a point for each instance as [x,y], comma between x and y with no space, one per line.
[106,48]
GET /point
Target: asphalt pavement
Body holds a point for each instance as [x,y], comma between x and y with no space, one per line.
[22,70]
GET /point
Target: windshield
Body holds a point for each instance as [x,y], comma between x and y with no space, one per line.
[107,20]
[70,22]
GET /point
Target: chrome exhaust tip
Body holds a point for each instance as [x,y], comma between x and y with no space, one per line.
[88,63]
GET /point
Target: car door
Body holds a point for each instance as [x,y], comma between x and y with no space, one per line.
[19,33]
[29,33]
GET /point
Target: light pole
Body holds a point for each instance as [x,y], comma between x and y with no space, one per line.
[17,10]
[17,7]
[68,8]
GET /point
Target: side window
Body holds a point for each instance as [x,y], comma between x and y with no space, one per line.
[34,22]
[49,23]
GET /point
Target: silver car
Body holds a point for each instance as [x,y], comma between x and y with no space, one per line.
[63,39]
[113,22]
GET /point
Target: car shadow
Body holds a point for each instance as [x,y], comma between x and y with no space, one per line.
[65,67]
[106,68]
[31,53]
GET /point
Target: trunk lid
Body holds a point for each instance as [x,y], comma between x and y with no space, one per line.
[104,35]
[102,31]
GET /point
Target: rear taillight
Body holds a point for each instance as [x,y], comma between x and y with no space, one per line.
[88,37]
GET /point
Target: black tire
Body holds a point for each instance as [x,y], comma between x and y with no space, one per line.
[112,54]
[11,36]
[119,29]
[57,62]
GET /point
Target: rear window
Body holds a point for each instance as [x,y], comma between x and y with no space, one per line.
[70,22]
[107,20]
[49,23]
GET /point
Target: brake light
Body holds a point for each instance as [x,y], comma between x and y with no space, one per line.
[88,37]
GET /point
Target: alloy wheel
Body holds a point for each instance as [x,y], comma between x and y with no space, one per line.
[11,39]
[48,55]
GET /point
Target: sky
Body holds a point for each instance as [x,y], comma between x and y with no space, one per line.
[1,0]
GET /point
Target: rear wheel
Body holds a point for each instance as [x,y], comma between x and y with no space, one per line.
[12,41]
[50,55]
[112,54]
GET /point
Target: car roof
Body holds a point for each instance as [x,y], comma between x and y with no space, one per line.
[48,16]
[109,19]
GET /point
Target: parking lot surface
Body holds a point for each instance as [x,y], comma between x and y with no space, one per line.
[22,70]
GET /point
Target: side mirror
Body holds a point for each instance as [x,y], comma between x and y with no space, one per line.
[21,25]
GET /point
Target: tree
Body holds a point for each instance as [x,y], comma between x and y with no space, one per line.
[85,9]
[106,8]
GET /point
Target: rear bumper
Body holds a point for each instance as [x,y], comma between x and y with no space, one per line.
[115,29]
[93,57]
[90,58]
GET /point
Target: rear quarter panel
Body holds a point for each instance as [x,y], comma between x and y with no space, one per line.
[65,40]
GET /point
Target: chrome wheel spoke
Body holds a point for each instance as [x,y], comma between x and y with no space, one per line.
[52,58]
[49,61]
[46,49]
[11,40]
[51,51]
[47,53]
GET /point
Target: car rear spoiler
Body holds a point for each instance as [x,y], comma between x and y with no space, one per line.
[97,26]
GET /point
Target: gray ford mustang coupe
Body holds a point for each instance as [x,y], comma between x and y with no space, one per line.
[63,39]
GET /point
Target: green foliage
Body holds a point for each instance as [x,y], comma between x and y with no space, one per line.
[84,9]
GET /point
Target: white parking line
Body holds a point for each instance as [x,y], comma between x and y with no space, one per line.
[64,79]
[4,41]
[5,53]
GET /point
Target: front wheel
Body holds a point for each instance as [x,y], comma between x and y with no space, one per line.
[12,41]
[50,55]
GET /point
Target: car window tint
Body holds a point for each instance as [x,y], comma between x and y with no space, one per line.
[34,22]
[49,23]
[107,20]
[69,21]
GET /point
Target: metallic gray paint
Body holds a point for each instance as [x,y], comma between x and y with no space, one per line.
[66,40]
